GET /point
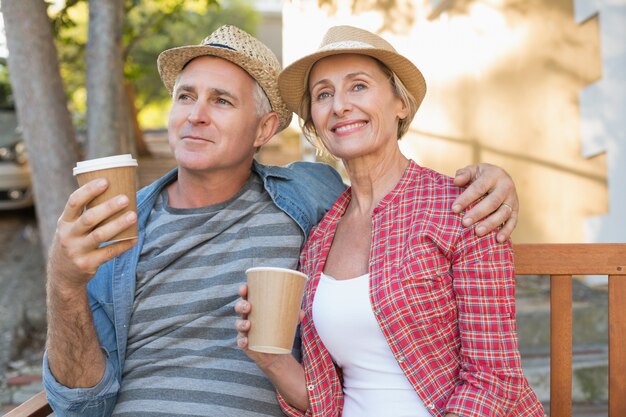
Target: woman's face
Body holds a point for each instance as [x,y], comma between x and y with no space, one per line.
[353,106]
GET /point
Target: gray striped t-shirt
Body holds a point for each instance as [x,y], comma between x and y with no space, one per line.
[182,358]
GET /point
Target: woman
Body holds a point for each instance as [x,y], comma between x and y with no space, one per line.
[406,312]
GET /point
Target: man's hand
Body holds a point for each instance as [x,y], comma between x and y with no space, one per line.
[74,354]
[75,253]
[498,199]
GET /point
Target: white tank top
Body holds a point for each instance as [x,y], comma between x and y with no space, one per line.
[373,385]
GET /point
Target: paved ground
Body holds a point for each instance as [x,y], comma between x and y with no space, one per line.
[23,303]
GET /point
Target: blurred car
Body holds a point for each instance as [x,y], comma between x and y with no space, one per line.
[15,177]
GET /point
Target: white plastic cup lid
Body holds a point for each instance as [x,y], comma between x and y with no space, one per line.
[97,164]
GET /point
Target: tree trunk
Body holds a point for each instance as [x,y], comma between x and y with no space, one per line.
[135,132]
[128,144]
[106,132]
[42,109]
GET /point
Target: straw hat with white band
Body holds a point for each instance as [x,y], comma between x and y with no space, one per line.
[240,48]
[293,80]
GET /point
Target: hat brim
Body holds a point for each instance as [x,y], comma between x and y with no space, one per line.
[292,81]
[172,61]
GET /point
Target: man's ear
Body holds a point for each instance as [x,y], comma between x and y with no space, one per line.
[266,129]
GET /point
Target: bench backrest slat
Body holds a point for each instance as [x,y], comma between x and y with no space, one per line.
[561,345]
[617,345]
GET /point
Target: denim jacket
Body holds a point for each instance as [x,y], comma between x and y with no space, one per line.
[304,191]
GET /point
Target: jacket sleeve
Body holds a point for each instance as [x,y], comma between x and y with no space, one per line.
[484,285]
[98,400]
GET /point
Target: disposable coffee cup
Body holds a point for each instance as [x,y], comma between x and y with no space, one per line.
[275,295]
[121,173]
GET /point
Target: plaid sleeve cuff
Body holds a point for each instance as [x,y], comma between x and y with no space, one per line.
[289,409]
[468,401]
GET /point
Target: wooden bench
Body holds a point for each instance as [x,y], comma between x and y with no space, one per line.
[560,262]
[36,406]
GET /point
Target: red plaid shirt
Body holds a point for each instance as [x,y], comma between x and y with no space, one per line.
[443,298]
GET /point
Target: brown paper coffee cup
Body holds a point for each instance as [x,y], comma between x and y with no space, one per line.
[275,295]
[120,171]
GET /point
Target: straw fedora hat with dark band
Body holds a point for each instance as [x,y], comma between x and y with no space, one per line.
[351,40]
[240,48]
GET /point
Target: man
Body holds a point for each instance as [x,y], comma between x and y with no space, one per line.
[145,327]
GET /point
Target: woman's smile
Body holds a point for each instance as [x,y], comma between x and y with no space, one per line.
[348,127]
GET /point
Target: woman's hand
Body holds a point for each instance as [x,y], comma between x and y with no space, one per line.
[285,372]
[242,325]
[498,203]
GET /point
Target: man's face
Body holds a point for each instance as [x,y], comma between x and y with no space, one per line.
[213,124]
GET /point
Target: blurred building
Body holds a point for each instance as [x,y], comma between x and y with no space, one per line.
[286,146]
[505,79]
[603,113]
[270,29]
